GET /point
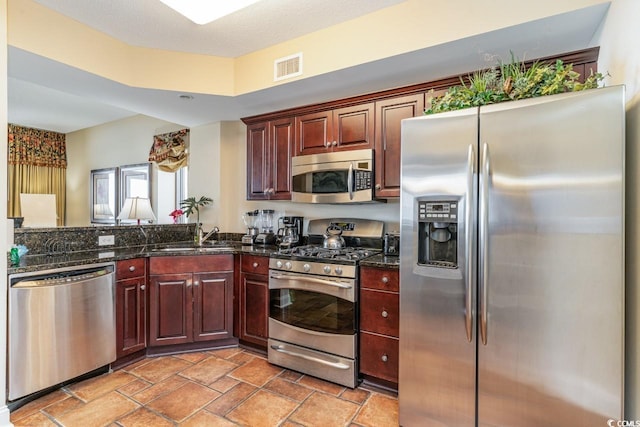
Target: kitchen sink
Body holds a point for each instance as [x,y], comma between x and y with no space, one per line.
[215,247]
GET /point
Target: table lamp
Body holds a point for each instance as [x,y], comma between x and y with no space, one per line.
[137,208]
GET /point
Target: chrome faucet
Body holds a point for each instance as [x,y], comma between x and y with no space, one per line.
[200,239]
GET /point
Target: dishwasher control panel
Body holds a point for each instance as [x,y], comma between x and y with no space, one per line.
[61,278]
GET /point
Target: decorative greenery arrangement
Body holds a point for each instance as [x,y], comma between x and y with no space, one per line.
[507,82]
[191,205]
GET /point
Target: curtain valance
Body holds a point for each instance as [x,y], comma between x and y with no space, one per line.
[169,150]
[36,147]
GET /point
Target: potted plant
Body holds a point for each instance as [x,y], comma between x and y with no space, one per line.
[191,205]
[507,82]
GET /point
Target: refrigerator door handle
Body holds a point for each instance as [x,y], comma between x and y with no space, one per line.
[468,237]
[350,180]
[485,168]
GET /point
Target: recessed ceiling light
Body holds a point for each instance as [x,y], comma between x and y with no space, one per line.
[205,11]
[186,97]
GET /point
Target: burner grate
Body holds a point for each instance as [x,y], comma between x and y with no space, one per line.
[311,251]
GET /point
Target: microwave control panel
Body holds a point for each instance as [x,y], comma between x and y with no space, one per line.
[362,180]
[438,211]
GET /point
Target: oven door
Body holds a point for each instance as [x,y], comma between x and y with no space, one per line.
[329,178]
[313,311]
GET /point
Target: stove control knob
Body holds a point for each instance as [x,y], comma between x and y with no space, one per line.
[306,267]
[288,265]
[338,271]
[326,269]
[279,264]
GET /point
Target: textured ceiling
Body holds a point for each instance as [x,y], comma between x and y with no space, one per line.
[152,24]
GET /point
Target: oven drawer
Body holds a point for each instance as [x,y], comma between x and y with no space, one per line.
[254,264]
[379,312]
[379,356]
[339,370]
[380,278]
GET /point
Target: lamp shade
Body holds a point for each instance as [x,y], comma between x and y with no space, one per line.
[137,208]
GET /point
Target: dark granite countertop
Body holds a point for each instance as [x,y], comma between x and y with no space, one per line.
[382,261]
[30,263]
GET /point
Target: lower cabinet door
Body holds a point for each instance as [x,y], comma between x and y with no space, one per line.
[131,313]
[379,356]
[170,309]
[213,306]
[254,309]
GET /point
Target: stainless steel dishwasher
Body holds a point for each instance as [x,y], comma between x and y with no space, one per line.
[61,325]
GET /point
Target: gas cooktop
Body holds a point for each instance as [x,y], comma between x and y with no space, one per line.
[320,253]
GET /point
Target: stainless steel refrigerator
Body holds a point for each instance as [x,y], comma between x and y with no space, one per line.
[512,263]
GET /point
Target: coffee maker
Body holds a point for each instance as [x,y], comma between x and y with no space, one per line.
[290,231]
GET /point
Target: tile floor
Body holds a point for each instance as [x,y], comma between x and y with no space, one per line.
[228,387]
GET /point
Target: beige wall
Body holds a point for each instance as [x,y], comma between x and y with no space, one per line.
[620,57]
[217,169]
[4,243]
[122,142]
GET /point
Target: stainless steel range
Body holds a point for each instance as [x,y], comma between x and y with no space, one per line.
[313,293]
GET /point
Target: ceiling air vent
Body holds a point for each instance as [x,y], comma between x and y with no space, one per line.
[287,67]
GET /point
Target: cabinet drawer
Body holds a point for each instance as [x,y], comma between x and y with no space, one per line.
[255,264]
[379,278]
[379,356]
[130,268]
[190,264]
[379,312]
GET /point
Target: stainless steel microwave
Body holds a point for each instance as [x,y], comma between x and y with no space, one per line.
[338,177]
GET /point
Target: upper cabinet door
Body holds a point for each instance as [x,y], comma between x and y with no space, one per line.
[314,133]
[258,173]
[281,150]
[389,114]
[269,152]
[348,128]
[353,127]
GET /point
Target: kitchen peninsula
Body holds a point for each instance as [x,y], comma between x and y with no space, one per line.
[171,296]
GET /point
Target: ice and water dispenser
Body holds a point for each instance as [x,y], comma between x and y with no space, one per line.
[438,233]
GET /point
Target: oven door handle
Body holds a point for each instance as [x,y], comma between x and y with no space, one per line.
[337,365]
[312,280]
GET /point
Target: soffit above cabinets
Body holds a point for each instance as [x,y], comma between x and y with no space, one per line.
[75,99]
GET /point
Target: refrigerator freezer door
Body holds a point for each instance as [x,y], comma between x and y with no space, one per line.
[437,328]
[554,291]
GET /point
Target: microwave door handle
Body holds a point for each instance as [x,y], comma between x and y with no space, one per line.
[350,181]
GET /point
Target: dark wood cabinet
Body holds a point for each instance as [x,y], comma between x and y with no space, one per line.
[389,114]
[254,300]
[269,151]
[131,307]
[190,299]
[379,324]
[347,128]
[370,120]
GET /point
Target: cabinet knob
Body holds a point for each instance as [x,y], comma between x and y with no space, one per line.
[132,268]
[255,265]
[196,283]
[334,143]
[384,314]
[326,144]
[385,279]
[378,186]
[143,287]
[384,358]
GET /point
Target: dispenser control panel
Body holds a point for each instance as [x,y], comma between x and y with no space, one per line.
[438,233]
[438,211]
